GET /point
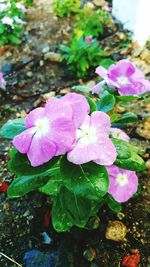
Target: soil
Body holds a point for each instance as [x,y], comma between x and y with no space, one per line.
[30,77]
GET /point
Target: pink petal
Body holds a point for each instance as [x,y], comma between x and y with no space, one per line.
[23,141]
[63,134]
[102,72]
[82,154]
[98,88]
[79,105]
[101,121]
[33,116]
[56,108]
[106,152]
[42,149]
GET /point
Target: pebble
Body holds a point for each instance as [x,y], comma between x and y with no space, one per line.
[54,57]
[89,254]
[116,231]
[48,95]
[45,49]
[29,74]
[65,91]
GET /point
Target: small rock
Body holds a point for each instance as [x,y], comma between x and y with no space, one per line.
[46,238]
[48,95]
[131,260]
[29,74]
[116,231]
[90,84]
[65,91]
[45,49]
[99,2]
[54,57]
[89,254]
[41,63]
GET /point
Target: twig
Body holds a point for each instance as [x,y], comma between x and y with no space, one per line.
[10,259]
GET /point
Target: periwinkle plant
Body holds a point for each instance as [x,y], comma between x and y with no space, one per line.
[70,151]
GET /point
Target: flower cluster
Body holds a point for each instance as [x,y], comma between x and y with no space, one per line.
[11,20]
[2,81]
[64,126]
[124,76]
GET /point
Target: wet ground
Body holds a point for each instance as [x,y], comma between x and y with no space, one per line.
[33,73]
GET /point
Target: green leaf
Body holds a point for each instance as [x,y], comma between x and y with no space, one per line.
[81,88]
[68,210]
[20,165]
[2,28]
[127,157]
[54,183]
[14,39]
[128,117]
[127,98]
[89,180]
[122,148]
[113,204]
[106,103]
[12,128]
[134,163]
[92,104]
[106,62]
[25,184]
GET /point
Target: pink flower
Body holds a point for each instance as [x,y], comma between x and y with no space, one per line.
[119,134]
[17,20]
[2,81]
[123,184]
[125,76]
[89,39]
[79,105]
[106,8]
[7,20]
[51,130]
[92,141]
[21,6]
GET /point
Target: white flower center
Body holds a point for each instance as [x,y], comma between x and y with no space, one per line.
[122,179]
[42,126]
[123,80]
[86,135]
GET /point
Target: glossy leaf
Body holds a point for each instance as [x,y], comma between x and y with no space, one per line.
[20,165]
[128,117]
[92,104]
[122,148]
[68,210]
[25,184]
[134,163]
[89,180]
[54,183]
[12,128]
[113,204]
[106,103]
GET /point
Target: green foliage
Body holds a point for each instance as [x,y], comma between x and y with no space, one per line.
[11,33]
[127,156]
[88,180]
[69,210]
[20,165]
[113,204]
[90,22]
[81,55]
[12,128]
[66,7]
[92,104]
[106,102]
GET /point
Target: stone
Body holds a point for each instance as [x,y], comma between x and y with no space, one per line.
[29,74]
[89,254]
[54,57]
[116,231]
[48,95]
